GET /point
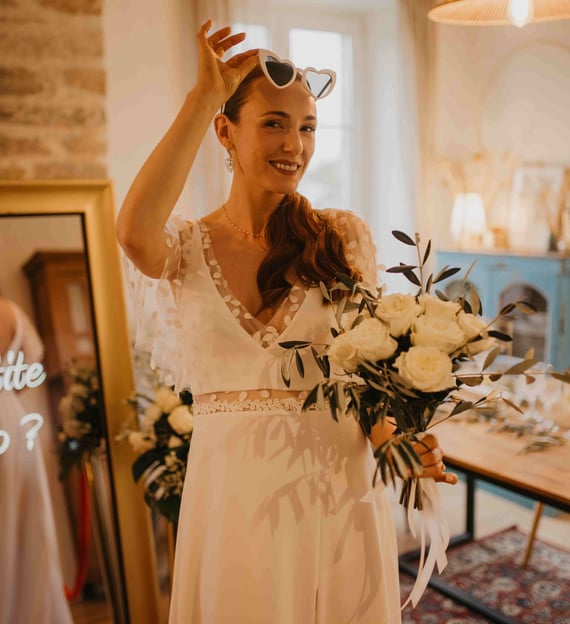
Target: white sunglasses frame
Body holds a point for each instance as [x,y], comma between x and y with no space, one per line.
[263,56]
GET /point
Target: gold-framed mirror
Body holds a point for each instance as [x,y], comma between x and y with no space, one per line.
[60,266]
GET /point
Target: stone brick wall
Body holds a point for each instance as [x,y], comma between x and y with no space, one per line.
[52,90]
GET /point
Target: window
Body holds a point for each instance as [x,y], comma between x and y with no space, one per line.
[322,41]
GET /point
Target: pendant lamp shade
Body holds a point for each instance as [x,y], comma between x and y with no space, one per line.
[495,12]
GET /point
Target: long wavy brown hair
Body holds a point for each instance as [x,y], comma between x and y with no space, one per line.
[298,236]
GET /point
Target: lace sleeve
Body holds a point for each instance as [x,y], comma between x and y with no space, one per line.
[154,303]
[360,248]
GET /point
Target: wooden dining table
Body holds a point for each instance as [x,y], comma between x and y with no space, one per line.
[498,457]
[472,448]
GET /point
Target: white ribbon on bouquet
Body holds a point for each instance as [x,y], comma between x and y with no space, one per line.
[433,525]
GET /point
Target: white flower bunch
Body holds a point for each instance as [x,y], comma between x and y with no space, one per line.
[401,357]
[423,335]
[81,429]
[161,442]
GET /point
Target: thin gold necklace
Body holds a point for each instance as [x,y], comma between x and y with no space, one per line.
[237,227]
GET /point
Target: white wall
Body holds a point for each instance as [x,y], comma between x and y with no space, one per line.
[148,51]
[502,89]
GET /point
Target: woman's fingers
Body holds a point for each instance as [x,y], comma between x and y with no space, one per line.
[221,40]
[446,477]
[237,59]
[428,450]
[243,63]
[224,45]
[221,78]
[216,37]
[431,456]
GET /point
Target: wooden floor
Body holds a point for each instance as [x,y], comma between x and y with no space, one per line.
[91,612]
[98,612]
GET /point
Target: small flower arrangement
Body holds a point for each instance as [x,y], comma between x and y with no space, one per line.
[82,427]
[162,441]
[402,357]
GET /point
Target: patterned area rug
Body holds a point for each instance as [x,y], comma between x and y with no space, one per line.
[490,569]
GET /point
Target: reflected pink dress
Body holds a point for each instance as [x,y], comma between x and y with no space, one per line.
[272,526]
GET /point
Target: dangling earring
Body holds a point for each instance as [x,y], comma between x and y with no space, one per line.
[229,162]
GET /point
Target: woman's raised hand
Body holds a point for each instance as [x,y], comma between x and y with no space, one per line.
[216,77]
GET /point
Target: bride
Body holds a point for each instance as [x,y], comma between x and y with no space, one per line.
[32,589]
[273,527]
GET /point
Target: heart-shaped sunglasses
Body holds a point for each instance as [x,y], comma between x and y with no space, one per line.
[281,73]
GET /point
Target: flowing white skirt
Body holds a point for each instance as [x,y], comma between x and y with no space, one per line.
[273,529]
[31,590]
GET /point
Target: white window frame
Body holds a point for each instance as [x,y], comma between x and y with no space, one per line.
[279,21]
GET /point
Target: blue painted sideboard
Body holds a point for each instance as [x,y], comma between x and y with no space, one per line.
[548,274]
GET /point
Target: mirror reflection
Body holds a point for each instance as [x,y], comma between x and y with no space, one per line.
[56,531]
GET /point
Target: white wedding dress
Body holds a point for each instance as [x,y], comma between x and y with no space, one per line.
[31,587]
[272,527]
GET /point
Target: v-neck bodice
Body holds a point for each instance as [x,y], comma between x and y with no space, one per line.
[202,337]
[264,333]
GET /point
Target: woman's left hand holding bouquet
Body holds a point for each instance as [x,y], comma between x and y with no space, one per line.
[431,456]
[427,448]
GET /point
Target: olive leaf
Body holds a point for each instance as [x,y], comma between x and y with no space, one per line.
[403,238]
[299,363]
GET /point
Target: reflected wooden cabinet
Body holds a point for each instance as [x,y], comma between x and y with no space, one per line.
[62,308]
[60,292]
[500,278]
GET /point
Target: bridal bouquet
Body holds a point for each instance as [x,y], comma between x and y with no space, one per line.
[162,441]
[402,357]
[81,429]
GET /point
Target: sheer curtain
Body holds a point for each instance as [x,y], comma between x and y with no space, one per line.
[419,52]
[209,181]
[400,70]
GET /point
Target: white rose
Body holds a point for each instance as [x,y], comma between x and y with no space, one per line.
[398,311]
[170,460]
[373,341]
[342,353]
[470,324]
[166,399]
[65,408]
[370,341]
[478,346]
[472,327]
[432,306]
[74,428]
[78,390]
[439,332]
[426,369]
[77,404]
[140,441]
[151,414]
[174,441]
[181,419]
